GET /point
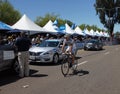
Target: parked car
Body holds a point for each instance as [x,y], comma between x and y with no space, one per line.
[79,45]
[8,58]
[93,44]
[47,51]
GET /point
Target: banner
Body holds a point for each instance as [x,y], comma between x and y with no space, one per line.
[55,22]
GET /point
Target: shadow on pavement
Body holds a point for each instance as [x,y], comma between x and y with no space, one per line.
[80,73]
[38,75]
[7,77]
[32,74]
[78,57]
[44,64]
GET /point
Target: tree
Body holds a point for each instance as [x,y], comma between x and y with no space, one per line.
[7,13]
[109,13]
[41,21]
[82,26]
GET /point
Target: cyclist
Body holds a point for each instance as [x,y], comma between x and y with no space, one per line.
[70,47]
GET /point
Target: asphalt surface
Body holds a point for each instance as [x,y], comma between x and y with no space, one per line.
[98,73]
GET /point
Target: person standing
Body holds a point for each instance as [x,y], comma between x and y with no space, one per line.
[23,44]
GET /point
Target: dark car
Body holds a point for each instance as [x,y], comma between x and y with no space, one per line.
[93,44]
[8,58]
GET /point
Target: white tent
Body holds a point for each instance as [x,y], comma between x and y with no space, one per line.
[50,27]
[68,29]
[26,24]
[87,32]
[97,33]
[106,34]
[92,32]
[79,31]
[101,34]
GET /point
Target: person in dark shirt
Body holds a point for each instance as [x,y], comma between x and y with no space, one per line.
[23,44]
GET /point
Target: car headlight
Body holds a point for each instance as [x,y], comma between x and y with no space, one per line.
[47,53]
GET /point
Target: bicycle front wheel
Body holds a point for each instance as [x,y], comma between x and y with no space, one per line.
[65,67]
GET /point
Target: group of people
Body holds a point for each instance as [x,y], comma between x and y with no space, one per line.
[22,43]
[38,39]
[23,54]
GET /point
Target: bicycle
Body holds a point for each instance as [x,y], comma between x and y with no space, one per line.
[65,66]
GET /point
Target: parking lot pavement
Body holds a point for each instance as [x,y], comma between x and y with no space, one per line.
[98,74]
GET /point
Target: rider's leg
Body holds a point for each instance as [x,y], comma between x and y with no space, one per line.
[73,58]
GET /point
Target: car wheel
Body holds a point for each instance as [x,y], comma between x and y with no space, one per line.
[16,66]
[55,59]
[84,48]
[101,48]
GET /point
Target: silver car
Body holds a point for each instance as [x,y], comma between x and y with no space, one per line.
[47,51]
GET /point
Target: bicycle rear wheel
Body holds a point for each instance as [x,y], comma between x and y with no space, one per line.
[65,67]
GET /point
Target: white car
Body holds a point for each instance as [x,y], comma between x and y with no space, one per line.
[47,51]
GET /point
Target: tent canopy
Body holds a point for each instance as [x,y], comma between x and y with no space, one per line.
[4,26]
[26,24]
[87,32]
[14,31]
[68,29]
[92,32]
[79,31]
[50,27]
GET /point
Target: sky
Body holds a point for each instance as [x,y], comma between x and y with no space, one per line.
[77,11]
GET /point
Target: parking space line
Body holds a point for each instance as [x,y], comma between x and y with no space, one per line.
[82,63]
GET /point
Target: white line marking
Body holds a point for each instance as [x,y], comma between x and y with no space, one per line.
[107,53]
[25,86]
[82,63]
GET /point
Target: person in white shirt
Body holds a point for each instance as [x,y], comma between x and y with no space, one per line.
[70,47]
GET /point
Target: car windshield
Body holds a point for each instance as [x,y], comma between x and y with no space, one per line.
[49,44]
[92,41]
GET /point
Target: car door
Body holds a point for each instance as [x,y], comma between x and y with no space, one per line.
[1,60]
[6,56]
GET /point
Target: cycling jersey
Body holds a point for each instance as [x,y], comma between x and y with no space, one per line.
[68,44]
